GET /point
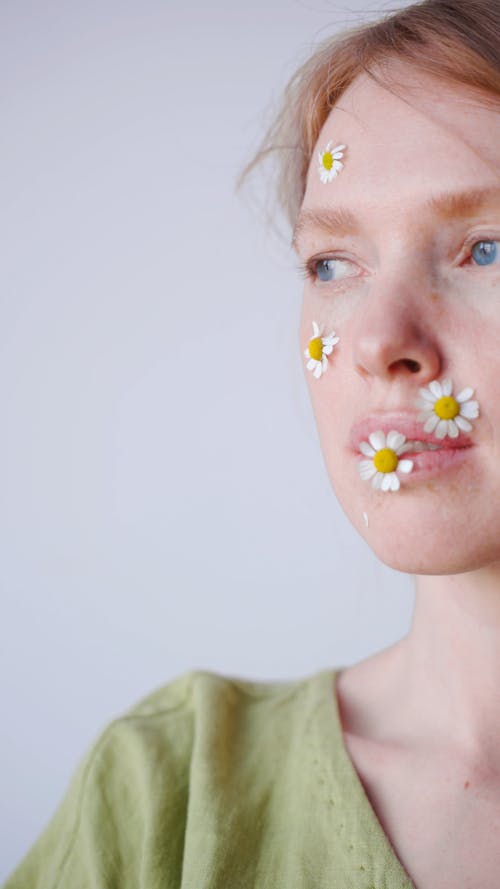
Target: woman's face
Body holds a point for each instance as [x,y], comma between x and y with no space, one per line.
[414,297]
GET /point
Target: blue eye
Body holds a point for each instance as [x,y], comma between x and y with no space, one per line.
[485,252]
[333,269]
[326,269]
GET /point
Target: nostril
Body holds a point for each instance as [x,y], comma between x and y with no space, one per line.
[413,366]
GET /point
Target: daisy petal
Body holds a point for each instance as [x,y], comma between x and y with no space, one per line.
[377,440]
[405,466]
[447,387]
[428,396]
[394,482]
[377,480]
[317,370]
[464,395]
[368,471]
[424,415]
[386,481]
[441,429]
[462,424]
[395,439]
[453,430]
[435,388]
[327,349]
[311,364]
[315,330]
[365,449]
[470,410]
[431,423]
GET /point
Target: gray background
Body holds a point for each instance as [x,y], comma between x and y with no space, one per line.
[163,500]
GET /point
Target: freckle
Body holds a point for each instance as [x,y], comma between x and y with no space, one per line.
[466,785]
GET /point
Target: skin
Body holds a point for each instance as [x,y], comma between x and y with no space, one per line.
[414,307]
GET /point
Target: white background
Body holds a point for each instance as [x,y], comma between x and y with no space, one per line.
[163,500]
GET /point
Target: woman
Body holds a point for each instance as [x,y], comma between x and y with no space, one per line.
[385,774]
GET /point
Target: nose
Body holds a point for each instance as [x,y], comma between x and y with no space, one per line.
[393,336]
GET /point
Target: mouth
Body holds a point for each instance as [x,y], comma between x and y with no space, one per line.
[430,456]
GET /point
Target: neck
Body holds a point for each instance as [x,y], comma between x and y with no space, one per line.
[452,656]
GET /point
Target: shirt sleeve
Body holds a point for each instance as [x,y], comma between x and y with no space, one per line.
[121,822]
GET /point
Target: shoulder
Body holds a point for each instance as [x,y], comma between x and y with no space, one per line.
[187,748]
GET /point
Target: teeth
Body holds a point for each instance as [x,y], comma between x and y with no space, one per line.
[415,446]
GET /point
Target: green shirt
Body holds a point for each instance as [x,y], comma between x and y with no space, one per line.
[213,782]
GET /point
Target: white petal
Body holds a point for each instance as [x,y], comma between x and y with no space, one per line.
[431,423]
[435,388]
[377,440]
[324,364]
[405,466]
[327,350]
[462,424]
[315,330]
[337,148]
[427,395]
[317,370]
[424,416]
[365,449]
[470,410]
[311,364]
[447,387]
[395,439]
[425,405]
[441,429]
[464,395]
[452,429]
[394,482]
[368,471]
[328,146]
[377,480]
[386,481]
[337,166]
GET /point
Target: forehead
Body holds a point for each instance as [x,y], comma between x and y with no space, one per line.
[407,144]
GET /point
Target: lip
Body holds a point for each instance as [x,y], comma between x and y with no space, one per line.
[450,454]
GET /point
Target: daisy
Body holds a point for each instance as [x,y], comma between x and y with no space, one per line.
[444,413]
[319,347]
[329,161]
[384,463]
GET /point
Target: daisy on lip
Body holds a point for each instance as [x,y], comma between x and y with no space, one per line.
[444,413]
[384,463]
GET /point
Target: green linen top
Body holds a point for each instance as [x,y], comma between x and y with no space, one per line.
[215,782]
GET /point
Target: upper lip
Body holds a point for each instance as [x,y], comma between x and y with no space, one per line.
[408,425]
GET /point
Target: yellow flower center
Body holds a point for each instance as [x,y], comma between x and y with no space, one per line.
[386,460]
[327,160]
[316,348]
[447,407]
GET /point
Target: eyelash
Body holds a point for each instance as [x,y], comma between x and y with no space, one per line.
[307,270]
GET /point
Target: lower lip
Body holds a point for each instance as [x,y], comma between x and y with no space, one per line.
[429,463]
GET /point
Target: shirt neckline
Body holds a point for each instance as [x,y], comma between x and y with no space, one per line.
[366,827]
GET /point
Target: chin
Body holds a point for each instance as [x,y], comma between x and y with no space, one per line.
[426,533]
[427,553]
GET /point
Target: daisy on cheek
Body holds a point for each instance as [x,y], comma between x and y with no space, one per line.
[318,349]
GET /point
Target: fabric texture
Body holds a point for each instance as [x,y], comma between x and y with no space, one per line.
[214,782]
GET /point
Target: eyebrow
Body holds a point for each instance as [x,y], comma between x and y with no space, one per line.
[342,221]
